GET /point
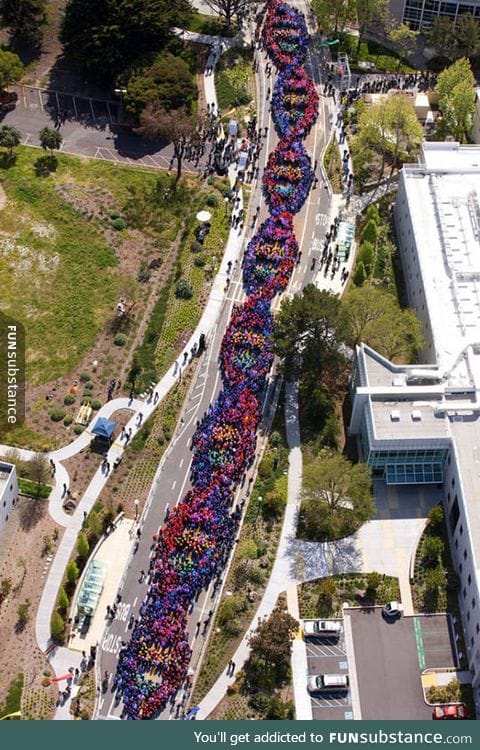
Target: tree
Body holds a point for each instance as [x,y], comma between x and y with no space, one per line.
[10,137]
[270,646]
[366,257]
[433,548]
[456,91]
[436,516]
[82,546]
[229,8]
[334,15]
[336,496]
[57,625]
[104,37]
[309,330]
[404,39]
[38,470]
[62,600]
[374,580]
[177,126]
[370,12]
[11,68]
[375,318]
[467,35]
[50,139]
[434,580]
[167,81]
[442,36]
[72,572]
[370,232]
[391,129]
[359,275]
[23,18]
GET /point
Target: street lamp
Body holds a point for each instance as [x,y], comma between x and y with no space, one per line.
[121,93]
[135,502]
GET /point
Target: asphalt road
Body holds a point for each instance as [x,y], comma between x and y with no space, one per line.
[389,659]
[174,477]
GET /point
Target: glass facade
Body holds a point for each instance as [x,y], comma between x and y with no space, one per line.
[420,14]
[408,467]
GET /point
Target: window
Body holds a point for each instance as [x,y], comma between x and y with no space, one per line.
[468,616]
[460,567]
[477,628]
[454,515]
[469,579]
[474,603]
[453,481]
[464,592]
[465,554]
[461,529]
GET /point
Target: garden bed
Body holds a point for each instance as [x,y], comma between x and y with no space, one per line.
[325,597]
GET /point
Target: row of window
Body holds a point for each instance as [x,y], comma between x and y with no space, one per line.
[420,14]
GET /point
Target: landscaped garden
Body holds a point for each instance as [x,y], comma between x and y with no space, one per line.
[325,597]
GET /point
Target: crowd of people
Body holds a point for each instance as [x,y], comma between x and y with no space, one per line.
[294,105]
[192,547]
[270,256]
[288,177]
[285,34]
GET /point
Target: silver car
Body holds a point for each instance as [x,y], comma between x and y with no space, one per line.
[317,628]
[328,683]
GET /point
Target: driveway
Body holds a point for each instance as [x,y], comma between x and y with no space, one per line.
[389,660]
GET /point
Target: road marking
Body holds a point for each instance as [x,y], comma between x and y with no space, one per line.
[181,463]
[111,644]
[417,628]
[134,601]
[174,485]
[40,99]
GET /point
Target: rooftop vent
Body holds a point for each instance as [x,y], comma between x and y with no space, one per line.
[399,380]
[416,415]
[395,415]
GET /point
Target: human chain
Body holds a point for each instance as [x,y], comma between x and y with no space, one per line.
[195,542]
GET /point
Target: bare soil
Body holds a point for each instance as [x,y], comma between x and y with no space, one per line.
[24,562]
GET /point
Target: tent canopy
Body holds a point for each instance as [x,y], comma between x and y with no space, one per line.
[104,427]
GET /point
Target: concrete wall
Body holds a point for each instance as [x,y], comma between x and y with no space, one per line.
[8,493]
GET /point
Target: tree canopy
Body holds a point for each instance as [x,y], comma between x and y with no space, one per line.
[333,15]
[270,646]
[11,68]
[309,330]
[104,37]
[451,40]
[336,496]
[375,318]
[167,81]
[229,8]
[455,88]
[23,18]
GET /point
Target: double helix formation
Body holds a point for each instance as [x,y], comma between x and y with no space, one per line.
[195,542]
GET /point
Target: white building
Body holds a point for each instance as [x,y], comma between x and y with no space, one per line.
[420,424]
[8,491]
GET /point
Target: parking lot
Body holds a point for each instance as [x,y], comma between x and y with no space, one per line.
[328,656]
[82,109]
[390,657]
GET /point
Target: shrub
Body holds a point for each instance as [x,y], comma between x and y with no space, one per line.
[115,215]
[212,200]
[118,224]
[85,376]
[68,420]
[366,256]
[275,439]
[72,571]
[78,429]
[243,98]
[82,545]
[56,415]
[200,260]
[69,399]
[195,246]
[96,404]
[57,625]
[436,516]
[359,277]
[183,289]
[260,702]
[120,339]
[370,232]
[89,386]
[62,600]
[144,274]
[433,548]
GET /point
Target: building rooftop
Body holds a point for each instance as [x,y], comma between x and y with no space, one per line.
[443,195]
[5,471]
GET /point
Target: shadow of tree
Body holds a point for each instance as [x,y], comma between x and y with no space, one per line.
[30,512]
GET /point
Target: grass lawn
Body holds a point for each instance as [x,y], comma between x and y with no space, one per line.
[204,23]
[61,278]
[27,487]
[14,697]
[234,80]
[384,59]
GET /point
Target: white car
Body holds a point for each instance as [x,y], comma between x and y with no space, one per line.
[392,609]
[316,628]
[328,683]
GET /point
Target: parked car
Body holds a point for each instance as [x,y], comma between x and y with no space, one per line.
[392,610]
[317,628]
[328,683]
[451,711]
